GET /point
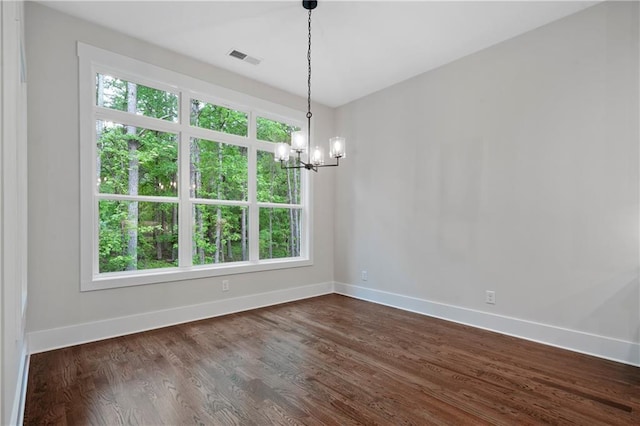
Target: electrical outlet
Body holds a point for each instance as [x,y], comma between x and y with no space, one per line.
[490,297]
[225,285]
[364,276]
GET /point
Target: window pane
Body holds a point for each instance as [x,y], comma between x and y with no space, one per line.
[122,95]
[135,235]
[136,161]
[219,118]
[274,131]
[219,234]
[218,170]
[279,233]
[275,184]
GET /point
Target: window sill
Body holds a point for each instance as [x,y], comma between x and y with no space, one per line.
[156,276]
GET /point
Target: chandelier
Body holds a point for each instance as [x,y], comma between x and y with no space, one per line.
[301,142]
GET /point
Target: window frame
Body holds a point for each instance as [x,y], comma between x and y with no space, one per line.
[93,60]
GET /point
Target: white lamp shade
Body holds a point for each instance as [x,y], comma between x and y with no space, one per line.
[317,156]
[298,141]
[282,152]
[337,147]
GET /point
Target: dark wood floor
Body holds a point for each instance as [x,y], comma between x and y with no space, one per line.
[328,360]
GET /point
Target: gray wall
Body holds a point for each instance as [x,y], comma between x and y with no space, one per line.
[54,194]
[514,169]
[13,210]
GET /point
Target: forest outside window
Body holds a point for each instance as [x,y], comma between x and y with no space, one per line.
[179,178]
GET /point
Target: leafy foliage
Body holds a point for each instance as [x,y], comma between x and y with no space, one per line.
[218,170]
[279,227]
[278,237]
[274,131]
[157,235]
[219,118]
[111,92]
[231,223]
[157,155]
[134,161]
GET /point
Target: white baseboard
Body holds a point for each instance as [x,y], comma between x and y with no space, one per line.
[44,340]
[17,411]
[577,341]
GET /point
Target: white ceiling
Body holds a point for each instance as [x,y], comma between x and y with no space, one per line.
[358,47]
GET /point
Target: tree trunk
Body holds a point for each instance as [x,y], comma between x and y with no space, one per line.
[243,236]
[132,231]
[196,179]
[296,185]
[292,232]
[196,186]
[100,90]
[174,222]
[271,215]
[270,233]
[219,210]
[99,129]
[159,243]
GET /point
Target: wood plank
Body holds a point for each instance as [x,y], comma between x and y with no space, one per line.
[330,360]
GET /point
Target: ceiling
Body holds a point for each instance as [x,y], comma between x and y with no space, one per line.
[358,47]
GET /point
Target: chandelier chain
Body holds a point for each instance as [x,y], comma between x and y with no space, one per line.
[309,67]
[315,159]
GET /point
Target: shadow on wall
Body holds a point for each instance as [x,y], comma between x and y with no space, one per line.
[597,301]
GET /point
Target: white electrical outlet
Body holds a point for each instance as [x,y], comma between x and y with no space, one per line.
[225,285]
[364,276]
[490,297]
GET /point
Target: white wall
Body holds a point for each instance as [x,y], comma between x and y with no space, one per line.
[515,170]
[54,197]
[13,208]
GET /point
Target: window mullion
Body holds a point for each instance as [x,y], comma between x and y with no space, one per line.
[142,198]
[185,233]
[280,206]
[220,202]
[130,119]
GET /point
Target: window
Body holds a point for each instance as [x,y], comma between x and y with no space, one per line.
[179,179]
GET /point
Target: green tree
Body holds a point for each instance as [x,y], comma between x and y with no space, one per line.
[143,162]
[218,172]
[136,161]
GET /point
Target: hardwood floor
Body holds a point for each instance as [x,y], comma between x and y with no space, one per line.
[328,360]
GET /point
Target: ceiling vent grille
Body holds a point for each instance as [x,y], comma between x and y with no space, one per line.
[244,57]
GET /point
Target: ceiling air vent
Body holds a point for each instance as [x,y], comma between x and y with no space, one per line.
[244,57]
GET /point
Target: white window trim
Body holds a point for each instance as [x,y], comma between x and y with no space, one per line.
[92,60]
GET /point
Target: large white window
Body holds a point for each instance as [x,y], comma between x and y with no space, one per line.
[179,179]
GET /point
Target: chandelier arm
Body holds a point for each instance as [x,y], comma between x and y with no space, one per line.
[300,164]
[307,166]
[331,165]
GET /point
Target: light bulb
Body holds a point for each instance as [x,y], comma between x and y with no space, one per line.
[298,141]
[317,156]
[281,152]
[337,147]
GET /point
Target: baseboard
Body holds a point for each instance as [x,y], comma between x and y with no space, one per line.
[44,340]
[577,341]
[17,411]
